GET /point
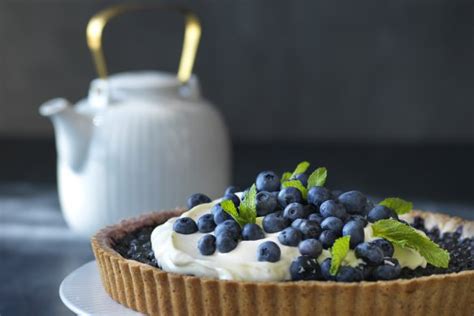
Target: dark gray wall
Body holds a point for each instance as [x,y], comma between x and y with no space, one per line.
[305,70]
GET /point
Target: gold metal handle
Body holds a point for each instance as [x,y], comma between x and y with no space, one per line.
[192,34]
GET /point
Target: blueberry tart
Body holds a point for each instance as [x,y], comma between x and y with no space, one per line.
[289,245]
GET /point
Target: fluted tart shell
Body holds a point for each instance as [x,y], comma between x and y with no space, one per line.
[153,291]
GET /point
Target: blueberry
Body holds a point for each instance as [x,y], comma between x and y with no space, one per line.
[310,229]
[349,274]
[229,227]
[356,231]
[327,238]
[290,237]
[385,245]
[206,223]
[185,225]
[310,247]
[219,214]
[325,267]
[289,195]
[274,222]
[317,195]
[196,199]
[331,208]
[381,212]
[370,253]
[266,203]
[234,198]
[267,181]
[302,177]
[293,211]
[207,245]
[316,217]
[231,189]
[268,251]
[358,218]
[389,270]
[252,232]
[332,223]
[354,202]
[305,268]
[225,242]
[297,223]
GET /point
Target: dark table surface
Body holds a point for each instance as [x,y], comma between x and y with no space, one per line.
[37,250]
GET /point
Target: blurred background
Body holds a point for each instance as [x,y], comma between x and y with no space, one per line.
[379,92]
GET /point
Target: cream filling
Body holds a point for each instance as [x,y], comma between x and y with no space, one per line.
[179,253]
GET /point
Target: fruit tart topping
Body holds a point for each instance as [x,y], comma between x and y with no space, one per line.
[275,222]
[252,232]
[325,225]
[207,245]
[290,237]
[265,203]
[267,181]
[305,268]
[406,236]
[398,205]
[310,247]
[185,225]
[196,199]
[206,223]
[268,251]
[338,252]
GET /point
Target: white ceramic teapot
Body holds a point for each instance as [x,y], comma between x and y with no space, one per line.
[140,141]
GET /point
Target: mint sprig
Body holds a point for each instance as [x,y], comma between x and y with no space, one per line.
[317,178]
[406,236]
[229,207]
[296,184]
[248,207]
[300,168]
[339,251]
[285,176]
[247,212]
[400,206]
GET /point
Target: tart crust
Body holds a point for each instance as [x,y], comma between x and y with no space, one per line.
[153,291]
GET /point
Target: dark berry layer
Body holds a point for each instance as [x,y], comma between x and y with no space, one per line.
[137,246]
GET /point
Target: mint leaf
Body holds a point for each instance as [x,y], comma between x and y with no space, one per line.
[229,207]
[296,184]
[300,168]
[338,252]
[285,176]
[400,206]
[407,237]
[317,178]
[248,206]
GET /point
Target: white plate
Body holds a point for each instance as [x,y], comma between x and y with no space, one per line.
[83,293]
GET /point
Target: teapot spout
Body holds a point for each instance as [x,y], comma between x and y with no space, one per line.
[73,132]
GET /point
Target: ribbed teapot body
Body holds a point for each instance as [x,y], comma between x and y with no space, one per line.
[146,153]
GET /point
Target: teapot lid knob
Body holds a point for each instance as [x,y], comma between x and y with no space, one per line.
[192,35]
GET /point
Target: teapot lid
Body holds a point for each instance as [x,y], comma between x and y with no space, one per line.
[143,80]
[140,84]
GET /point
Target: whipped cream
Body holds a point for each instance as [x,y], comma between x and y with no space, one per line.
[179,253]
